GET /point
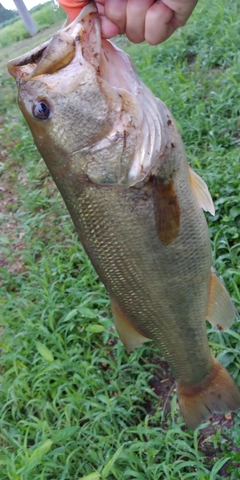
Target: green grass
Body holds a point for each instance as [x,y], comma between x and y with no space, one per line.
[73,404]
[15,49]
[43,17]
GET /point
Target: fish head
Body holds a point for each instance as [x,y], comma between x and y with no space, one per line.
[88,110]
[60,91]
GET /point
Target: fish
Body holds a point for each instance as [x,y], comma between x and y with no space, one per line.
[118,160]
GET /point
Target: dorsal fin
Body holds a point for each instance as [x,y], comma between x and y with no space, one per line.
[221,311]
[201,192]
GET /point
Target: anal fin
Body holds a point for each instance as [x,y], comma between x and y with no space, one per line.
[220,311]
[127,332]
[216,393]
[201,192]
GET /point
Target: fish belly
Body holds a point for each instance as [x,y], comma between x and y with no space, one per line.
[162,290]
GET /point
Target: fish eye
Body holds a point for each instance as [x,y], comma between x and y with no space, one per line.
[41,110]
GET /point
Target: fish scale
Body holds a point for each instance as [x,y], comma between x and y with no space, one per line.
[116,254]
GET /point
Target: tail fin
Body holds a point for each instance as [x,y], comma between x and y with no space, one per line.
[216,393]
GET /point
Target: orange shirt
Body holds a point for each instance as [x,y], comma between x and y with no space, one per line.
[72,7]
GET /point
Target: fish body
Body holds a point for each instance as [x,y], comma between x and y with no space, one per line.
[114,152]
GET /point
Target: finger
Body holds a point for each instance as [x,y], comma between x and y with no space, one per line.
[135,14]
[158,23]
[115,11]
[108,29]
[182,9]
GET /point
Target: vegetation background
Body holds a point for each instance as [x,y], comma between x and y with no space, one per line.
[73,403]
[7,16]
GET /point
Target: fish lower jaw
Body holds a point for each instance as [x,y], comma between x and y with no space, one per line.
[87,10]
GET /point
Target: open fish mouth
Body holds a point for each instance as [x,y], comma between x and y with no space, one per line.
[81,40]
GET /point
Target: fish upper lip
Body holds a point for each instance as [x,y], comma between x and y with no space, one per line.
[28,58]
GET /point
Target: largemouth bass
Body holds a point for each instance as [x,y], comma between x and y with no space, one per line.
[116,156]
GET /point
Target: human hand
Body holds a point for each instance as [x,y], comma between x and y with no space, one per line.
[153,21]
[143,19]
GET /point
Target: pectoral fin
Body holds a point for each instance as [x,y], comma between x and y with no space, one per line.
[221,311]
[201,192]
[127,332]
[167,211]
